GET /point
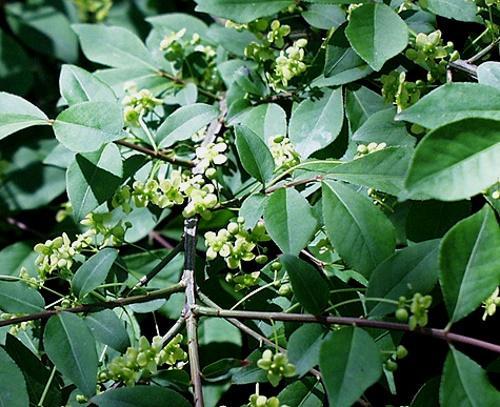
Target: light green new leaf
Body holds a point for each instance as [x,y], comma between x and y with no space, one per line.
[113,46]
[304,345]
[377,33]
[266,120]
[71,347]
[456,161]
[77,85]
[360,232]
[13,390]
[383,170]
[461,10]
[488,73]
[310,288]
[316,124]
[255,156]
[94,271]
[350,363]
[108,329]
[469,263]
[140,396]
[413,269]
[16,296]
[464,383]
[184,122]
[87,126]
[17,114]
[453,102]
[289,220]
[242,11]
[93,178]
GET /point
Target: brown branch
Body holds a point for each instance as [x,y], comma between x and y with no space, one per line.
[155,154]
[191,318]
[464,66]
[99,306]
[174,330]
[369,323]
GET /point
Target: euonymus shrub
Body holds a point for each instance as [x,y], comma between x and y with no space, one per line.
[338,162]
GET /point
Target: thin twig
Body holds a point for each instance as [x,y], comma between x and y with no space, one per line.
[464,66]
[249,331]
[174,330]
[483,52]
[159,238]
[181,81]
[155,154]
[294,183]
[98,306]
[191,318]
[369,323]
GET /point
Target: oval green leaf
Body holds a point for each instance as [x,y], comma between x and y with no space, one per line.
[13,390]
[140,396]
[16,296]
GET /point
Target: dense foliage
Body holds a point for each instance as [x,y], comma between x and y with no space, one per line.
[267,203]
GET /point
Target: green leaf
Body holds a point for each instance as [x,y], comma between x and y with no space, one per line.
[376,33]
[108,329]
[310,288]
[360,104]
[266,120]
[113,46]
[43,28]
[413,269]
[488,73]
[17,114]
[13,391]
[383,170]
[92,178]
[18,255]
[316,124]
[469,263]
[242,11]
[282,212]
[93,272]
[302,393]
[140,396]
[304,345]
[350,363]
[252,209]
[184,122]
[255,157]
[87,126]
[359,231]
[35,373]
[461,10]
[173,22]
[381,127]
[428,394]
[71,347]
[453,102]
[324,16]
[342,64]
[16,296]
[456,161]
[464,383]
[77,85]
[16,73]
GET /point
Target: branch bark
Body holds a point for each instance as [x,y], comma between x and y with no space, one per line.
[99,306]
[155,154]
[308,318]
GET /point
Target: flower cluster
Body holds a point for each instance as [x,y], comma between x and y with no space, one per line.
[276,366]
[210,154]
[93,10]
[396,89]
[143,361]
[490,304]
[235,244]
[433,55]
[137,103]
[168,192]
[15,329]
[289,64]
[58,254]
[257,400]
[419,306]
[363,149]
[400,353]
[283,152]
